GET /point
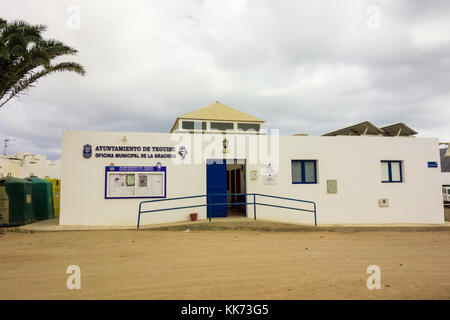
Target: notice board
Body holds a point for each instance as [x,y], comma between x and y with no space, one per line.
[135,182]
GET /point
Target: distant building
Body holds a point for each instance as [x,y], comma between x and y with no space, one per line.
[445,165]
[25,164]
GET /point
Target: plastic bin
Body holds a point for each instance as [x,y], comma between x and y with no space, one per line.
[42,198]
[16,202]
[56,187]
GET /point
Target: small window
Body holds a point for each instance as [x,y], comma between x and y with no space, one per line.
[391,171]
[191,125]
[304,171]
[222,126]
[248,126]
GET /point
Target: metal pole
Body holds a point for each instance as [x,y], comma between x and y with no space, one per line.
[139,215]
[315,219]
[207,209]
[254,205]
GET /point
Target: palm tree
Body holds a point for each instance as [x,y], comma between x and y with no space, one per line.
[25,57]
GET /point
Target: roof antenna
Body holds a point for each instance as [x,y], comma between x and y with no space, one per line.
[7,144]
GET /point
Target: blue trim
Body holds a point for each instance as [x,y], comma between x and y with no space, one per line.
[389,162]
[216,185]
[254,203]
[303,177]
[133,169]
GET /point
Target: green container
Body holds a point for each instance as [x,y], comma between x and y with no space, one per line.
[16,201]
[42,198]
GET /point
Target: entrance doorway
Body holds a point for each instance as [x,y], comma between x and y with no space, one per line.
[224,178]
[236,184]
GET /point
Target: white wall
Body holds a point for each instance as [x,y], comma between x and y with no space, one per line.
[10,167]
[83,182]
[353,161]
[445,178]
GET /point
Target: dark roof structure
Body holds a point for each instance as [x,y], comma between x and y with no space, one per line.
[360,129]
[366,128]
[398,129]
[445,161]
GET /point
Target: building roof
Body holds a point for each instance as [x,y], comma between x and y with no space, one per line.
[367,128]
[360,129]
[219,112]
[445,161]
[398,129]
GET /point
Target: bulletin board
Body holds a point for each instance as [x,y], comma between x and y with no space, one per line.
[135,182]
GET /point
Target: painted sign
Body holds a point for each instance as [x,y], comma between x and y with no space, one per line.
[122,182]
[138,152]
[269,180]
[432,164]
[268,177]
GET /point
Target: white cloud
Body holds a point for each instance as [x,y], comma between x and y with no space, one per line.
[304,66]
[431,35]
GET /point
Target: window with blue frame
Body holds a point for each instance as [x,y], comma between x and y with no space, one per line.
[304,171]
[391,171]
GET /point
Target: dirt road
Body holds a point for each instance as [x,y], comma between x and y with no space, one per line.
[225,265]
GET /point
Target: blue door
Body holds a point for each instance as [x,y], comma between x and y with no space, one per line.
[216,183]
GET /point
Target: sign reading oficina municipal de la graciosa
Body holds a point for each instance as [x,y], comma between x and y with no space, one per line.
[140,152]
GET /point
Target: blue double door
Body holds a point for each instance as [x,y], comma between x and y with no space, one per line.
[216,188]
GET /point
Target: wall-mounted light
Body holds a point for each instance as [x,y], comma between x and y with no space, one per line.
[111,166]
[158,166]
[225,145]
[124,138]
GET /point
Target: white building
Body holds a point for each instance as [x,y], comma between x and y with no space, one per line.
[25,164]
[375,177]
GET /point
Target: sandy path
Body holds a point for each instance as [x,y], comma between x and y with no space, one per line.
[225,265]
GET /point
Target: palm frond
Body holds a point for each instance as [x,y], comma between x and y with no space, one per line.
[25,57]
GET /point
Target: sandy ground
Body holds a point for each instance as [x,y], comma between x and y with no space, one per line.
[126,264]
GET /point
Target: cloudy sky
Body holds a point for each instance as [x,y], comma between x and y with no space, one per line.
[304,66]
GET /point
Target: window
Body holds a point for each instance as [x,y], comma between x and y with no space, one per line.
[391,171]
[248,126]
[304,171]
[191,125]
[222,126]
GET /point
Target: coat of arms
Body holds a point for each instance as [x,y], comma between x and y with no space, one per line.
[87,151]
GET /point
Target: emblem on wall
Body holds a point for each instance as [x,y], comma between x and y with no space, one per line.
[87,151]
[182,152]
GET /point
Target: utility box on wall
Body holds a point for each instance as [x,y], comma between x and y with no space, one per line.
[331,186]
[383,202]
